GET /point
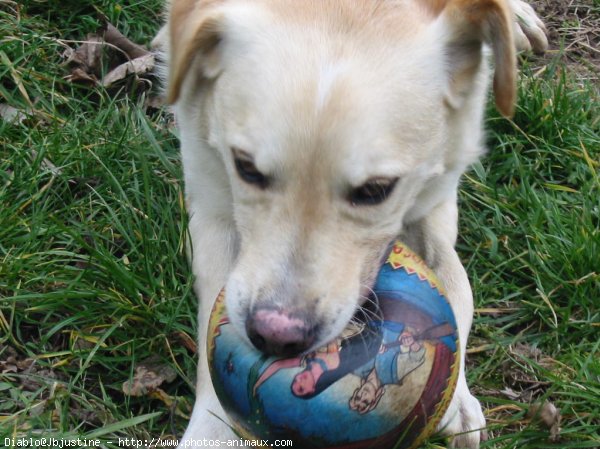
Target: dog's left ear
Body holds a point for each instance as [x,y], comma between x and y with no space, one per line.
[467,25]
[195,29]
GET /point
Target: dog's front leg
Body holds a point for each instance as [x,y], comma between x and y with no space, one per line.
[213,247]
[434,238]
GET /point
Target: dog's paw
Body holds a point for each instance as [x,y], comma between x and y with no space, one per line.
[206,428]
[470,429]
[464,422]
[530,32]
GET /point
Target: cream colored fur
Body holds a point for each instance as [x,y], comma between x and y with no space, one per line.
[325,95]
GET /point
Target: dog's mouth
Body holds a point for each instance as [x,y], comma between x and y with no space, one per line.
[368,296]
[367,312]
[273,332]
[367,316]
[289,331]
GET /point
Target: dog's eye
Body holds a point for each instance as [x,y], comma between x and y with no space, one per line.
[246,169]
[372,192]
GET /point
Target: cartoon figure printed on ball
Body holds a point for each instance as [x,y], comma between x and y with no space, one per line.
[399,355]
[325,366]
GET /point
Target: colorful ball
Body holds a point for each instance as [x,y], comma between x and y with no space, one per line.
[385,383]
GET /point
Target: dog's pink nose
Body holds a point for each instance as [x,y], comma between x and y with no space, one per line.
[279,333]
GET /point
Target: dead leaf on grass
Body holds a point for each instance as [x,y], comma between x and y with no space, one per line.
[520,373]
[98,415]
[108,50]
[188,342]
[510,393]
[528,352]
[87,58]
[36,378]
[12,362]
[80,76]
[31,375]
[114,37]
[178,405]
[524,350]
[12,115]
[548,416]
[138,66]
[149,375]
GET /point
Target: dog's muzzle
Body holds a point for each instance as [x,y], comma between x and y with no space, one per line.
[280,332]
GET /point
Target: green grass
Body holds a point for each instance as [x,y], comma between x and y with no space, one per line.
[93,276]
[530,240]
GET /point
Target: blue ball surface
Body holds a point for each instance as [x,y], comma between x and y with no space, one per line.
[385,383]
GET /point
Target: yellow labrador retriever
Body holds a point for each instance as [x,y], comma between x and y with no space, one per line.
[314,131]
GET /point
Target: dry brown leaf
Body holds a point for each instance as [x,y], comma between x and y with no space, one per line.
[9,364]
[525,350]
[88,56]
[510,393]
[155,101]
[6,367]
[138,66]
[178,405]
[114,37]
[520,373]
[162,396]
[188,342]
[38,408]
[149,375]
[548,416]
[79,75]
[107,49]
[25,364]
[11,114]
[36,378]
[32,376]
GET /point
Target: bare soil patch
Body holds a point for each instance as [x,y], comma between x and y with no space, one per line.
[573,33]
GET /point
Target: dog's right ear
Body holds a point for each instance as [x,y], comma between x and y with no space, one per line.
[195,28]
[467,24]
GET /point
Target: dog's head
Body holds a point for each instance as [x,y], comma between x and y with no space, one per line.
[336,122]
